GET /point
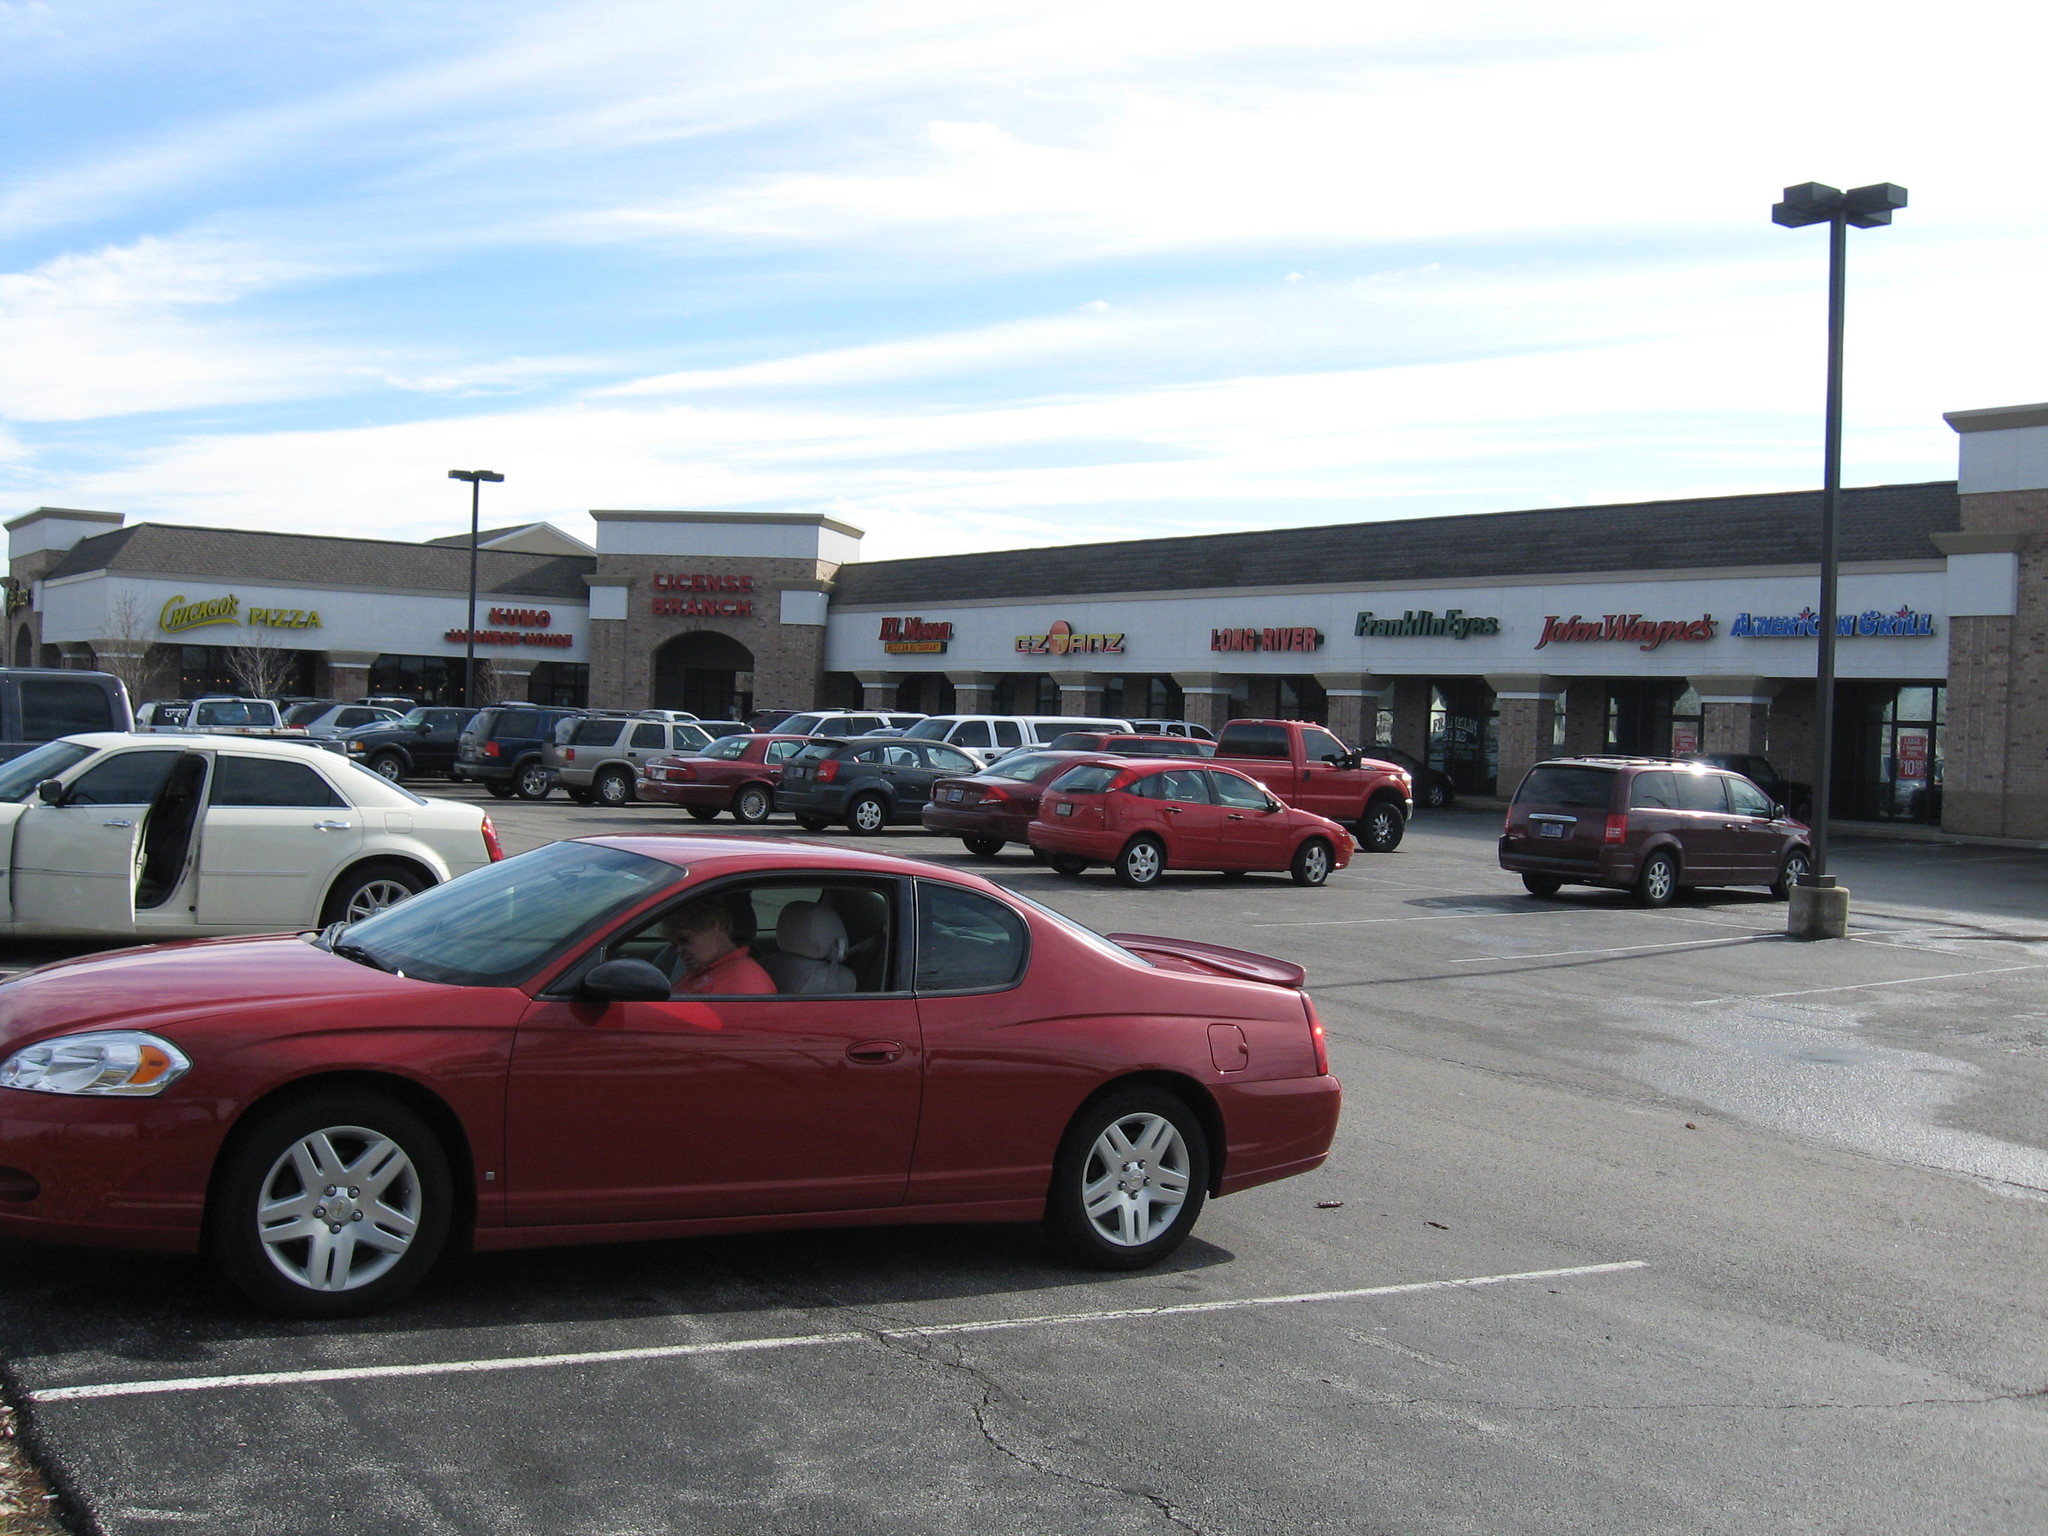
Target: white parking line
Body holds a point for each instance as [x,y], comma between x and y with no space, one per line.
[795,1341]
[1618,949]
[1859,986]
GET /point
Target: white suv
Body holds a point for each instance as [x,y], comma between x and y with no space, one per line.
[847,722]
[987,737]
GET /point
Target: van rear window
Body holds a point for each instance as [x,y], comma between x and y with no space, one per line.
[1577,788]
[55,707]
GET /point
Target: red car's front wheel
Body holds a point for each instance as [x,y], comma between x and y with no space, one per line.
[332,1205]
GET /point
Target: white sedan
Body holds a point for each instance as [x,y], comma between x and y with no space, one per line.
[170,837]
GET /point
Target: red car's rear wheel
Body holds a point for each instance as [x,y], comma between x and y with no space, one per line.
[1129,1181]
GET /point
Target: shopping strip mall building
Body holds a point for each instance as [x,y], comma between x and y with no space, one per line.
[1480,642]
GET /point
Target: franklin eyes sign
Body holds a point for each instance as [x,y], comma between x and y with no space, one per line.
[1456,624]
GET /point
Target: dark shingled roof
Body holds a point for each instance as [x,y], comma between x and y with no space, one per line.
[1879,522]
[295,559]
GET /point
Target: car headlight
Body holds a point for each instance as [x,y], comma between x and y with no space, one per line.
[121,1063]
[357,746]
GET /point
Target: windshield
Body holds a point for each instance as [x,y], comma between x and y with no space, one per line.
[234,712]
[801,725]
[1089,779]
[929,730]
[305,714]
[1026,767]
[19,778]
[496,925]
[410,717]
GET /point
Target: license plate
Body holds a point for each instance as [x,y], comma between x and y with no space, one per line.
[956,794]
[1063,810]
[1550,829]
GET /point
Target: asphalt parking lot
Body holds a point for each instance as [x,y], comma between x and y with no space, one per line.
[1637,1222]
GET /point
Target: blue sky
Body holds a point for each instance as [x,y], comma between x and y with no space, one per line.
[981,275]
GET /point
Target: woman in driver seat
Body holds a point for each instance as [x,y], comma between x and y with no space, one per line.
[709,958]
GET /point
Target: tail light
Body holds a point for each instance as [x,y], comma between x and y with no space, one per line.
[1123,780]
[986,792]
[1617,828]
[679,771]
[492,749]
[491,844]
[828,770]
[568,754]
[1315,1035]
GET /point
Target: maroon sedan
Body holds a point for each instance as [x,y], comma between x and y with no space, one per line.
[642,1037]
[1143,818]
[994,807]
[734,773]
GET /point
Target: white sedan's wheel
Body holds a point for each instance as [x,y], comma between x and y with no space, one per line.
[373,896]
[339,1208]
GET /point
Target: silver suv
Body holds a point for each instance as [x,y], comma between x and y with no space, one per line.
[597,759]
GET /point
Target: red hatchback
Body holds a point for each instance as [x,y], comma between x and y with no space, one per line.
[734,773]
[643,1037]
[1143,818]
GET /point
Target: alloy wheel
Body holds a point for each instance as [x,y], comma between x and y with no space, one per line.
[339,1208]
[869,814]
[1136,1179]
[373,896]
[390,767]
[1142,863]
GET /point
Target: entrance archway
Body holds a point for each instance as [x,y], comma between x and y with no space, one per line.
[707,673]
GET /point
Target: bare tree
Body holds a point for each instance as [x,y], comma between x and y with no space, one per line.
[127,650]
[262,665]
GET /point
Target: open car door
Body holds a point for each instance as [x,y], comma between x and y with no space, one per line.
[74,863]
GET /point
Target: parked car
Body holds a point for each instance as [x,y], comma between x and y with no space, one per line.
[988,737]
[342,719]
[1308,767]
[598,759]
[1131,744]
[1433,787]
[849,722]
[1649,825]
[131,833]
[1795,797]
[221,714]
[866,783]
[504,748]
[392,701]
[735,773]
[766,720]
[1173,728]
[719,729]
[39,704]
[418,743]
[673,716]
[993,808]
[1143,818]
[194,1097]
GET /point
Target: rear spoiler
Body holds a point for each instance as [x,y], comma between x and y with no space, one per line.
[1241,963]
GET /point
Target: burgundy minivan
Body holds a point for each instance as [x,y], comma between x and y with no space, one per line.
[1649,825]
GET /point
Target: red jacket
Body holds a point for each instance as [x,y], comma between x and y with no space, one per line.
[734,973]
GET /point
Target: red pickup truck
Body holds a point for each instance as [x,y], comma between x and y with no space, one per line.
[1312,770]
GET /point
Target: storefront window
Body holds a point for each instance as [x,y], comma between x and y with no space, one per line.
[204,669]
[1303,698]
[567,684]
[1653,717]
[1464,733]
[423,679]
[1888,751]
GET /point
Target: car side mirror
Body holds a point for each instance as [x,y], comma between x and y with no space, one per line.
[1777,813]
[51,791]
[1273,805]
[422,726]
[625,981]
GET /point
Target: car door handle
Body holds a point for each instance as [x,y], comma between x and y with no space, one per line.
[1235,816]
[332,826]
[875,1051]
[117,823]
[1171,810]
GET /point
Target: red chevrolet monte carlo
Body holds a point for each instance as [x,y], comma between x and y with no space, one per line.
[641,1037]
[734,773]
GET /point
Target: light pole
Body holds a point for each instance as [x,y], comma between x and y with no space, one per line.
[475,477]
[1814,914]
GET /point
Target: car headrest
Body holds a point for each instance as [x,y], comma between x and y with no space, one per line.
[812,931]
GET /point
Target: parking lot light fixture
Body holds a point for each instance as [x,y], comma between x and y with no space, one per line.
[1819,908]
[475,477]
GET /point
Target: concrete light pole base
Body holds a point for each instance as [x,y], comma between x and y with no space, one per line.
[1818,912]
